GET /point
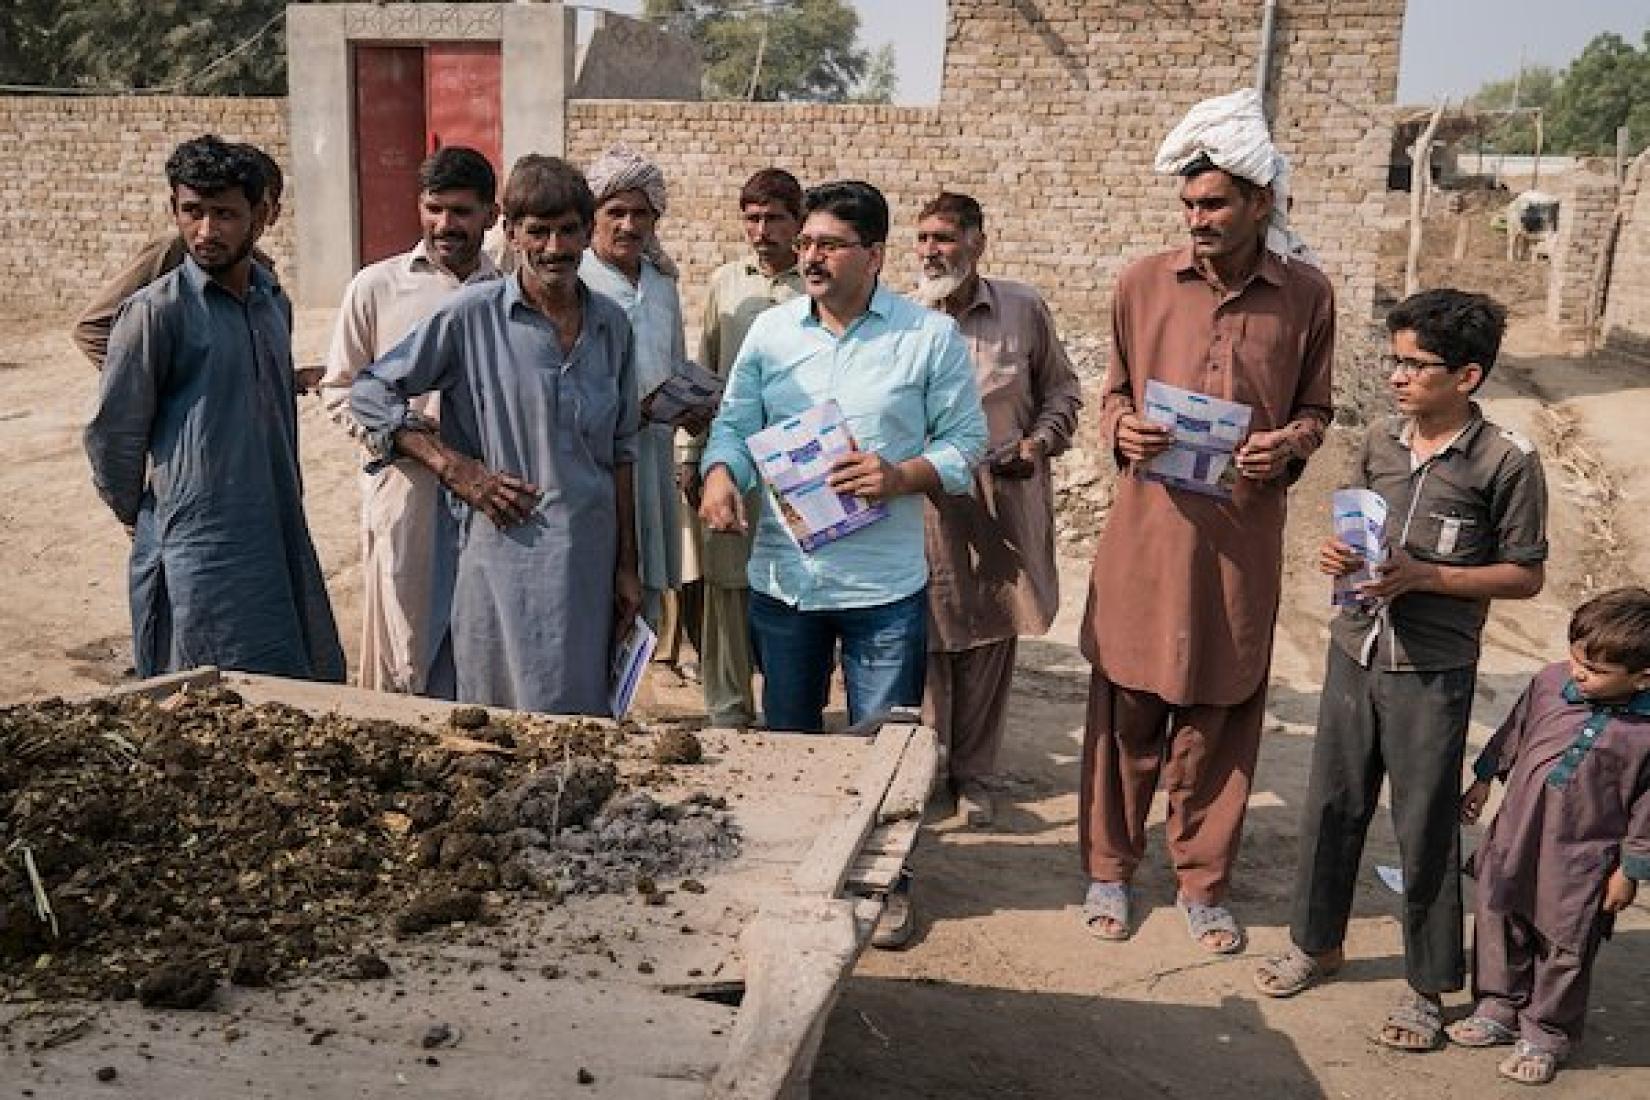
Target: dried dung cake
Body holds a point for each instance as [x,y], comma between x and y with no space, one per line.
[203,835]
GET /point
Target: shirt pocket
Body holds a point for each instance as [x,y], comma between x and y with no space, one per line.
[1452,533]
[596,417]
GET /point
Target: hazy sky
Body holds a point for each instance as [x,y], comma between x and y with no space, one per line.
[1450,46]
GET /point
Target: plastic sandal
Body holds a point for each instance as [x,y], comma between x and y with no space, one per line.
[1107,901]
[1201,920]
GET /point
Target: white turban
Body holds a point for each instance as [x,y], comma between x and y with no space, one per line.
[1231,131]
[622,169]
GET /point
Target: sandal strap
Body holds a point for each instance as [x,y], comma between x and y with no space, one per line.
[1107,901]
[1203,919]
[1293,967]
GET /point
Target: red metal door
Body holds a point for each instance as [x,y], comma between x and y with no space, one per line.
[462,82]
[389,146]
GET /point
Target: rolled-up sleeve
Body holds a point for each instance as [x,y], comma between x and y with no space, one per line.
[426,359]
[740,416]
[117,439]
[956,423]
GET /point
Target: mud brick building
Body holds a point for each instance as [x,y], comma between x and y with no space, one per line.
[1050,113]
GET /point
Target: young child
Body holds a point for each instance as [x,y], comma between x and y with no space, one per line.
[1571,842]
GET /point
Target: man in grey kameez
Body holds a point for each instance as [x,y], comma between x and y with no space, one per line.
[538,425]
[625,263]
[194,445]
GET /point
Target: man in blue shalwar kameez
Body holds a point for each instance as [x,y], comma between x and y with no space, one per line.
[194,445]
[536,447]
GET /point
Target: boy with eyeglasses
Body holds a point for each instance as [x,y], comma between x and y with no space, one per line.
[1466,524]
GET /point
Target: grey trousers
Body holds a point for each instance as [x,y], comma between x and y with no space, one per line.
[1410,727]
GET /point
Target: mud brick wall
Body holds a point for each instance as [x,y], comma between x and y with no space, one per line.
[1050,115]
[85,185]
[1587,210]
[1626,327]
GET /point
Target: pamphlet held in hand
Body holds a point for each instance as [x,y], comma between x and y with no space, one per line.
[1207,432]
[630,658]
[795,457]
[689,389]
[1360,522]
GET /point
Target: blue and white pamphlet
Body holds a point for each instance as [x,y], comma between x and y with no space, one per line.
[630,658]
[794,457]
[1207,432]
[1360,522]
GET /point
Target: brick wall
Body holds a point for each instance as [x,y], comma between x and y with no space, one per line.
[1050,115]
[1626,327]
[1587,208]
[84,185]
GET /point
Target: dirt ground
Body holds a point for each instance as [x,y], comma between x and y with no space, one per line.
[1003,994]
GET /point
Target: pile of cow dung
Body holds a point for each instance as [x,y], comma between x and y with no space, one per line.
[152,848]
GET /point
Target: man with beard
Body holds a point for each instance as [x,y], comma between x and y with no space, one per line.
[407,541]
[1184,592]
[991,571]
[626,263]
[162,254]
[770,207]
[535,447]
[194,445]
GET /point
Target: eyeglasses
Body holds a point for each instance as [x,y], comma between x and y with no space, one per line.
[825,246]
[1411,368]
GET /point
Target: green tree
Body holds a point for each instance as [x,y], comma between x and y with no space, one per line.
[157,43]
[770,49]
[1607,87]
[28,53]
[881,80]
[1536,87]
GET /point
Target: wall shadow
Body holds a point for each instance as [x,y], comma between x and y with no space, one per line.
[892,1038]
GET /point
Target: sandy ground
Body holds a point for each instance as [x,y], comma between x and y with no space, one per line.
[1003,994]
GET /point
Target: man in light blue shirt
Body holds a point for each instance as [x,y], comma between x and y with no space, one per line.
[904,381]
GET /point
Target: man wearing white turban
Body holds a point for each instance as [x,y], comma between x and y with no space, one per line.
[1184,591]
[626,263]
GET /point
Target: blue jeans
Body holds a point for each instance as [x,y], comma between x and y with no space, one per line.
[884,656]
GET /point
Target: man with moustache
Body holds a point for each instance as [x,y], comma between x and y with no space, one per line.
[162,254]
[1184,591]
[991,570]
[902,378]
[626,263]
[770,208]
[535,447]
[901,375]
[407,541]
[194,445]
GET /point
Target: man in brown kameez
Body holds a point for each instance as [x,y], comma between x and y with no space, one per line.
[991,571]
[1184,592]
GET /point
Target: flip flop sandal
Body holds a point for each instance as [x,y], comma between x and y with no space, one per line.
[1419,1023]
[1529,1065]
[1201,920]
[1478,1032]
[1290,973]
[1107,901]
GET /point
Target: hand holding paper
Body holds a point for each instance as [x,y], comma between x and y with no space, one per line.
[1207,431]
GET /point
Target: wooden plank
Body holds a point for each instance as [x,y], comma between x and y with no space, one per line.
[908,793]
[875,874]
[159,687]
[797,953]
[823,869]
